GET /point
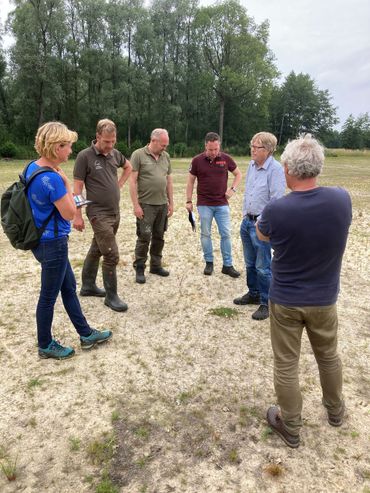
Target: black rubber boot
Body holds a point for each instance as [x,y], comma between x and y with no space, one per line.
[89,273]
[110,283]
[140,277]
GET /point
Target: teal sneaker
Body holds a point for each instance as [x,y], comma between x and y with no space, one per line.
[96,337]
[56,351]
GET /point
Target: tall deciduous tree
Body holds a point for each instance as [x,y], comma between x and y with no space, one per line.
[298,106]
[236,53]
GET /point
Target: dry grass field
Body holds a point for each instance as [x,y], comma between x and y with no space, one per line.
[176,401]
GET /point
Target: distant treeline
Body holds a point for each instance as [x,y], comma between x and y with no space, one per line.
[171,64]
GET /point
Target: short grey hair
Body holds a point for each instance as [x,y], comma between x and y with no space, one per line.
[304,157]
[157,132]
[268,140]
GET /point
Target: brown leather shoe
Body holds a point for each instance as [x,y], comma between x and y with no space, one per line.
[277,425]
[337,419]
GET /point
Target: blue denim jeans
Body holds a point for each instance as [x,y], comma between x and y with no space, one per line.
[257,258]
[56,276]
[221,213]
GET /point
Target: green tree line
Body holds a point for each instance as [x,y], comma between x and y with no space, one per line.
[171,64]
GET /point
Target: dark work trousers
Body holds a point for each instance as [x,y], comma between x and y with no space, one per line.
[150,231]
[104,240]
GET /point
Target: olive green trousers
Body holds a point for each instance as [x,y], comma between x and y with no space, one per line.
[286,326]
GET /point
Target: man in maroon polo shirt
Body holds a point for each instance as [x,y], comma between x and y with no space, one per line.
[211,169]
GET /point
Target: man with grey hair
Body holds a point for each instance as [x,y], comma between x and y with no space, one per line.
[96,168]
[151,190]
[264,183]
[308,230]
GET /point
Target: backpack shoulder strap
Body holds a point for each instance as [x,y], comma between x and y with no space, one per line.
[27,181]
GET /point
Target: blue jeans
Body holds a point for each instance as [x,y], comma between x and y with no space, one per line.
[56,276]
[257,258]
[221,213]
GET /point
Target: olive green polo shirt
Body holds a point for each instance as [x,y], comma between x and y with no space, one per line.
[152,176]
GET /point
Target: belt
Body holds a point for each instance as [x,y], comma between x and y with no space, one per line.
[252,217]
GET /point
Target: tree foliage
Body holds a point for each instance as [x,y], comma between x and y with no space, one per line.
[356,132]
[172,64]
[298,106]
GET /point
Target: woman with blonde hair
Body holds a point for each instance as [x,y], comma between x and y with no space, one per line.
[51,199]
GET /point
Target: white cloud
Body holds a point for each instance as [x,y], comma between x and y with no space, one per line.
[328,39]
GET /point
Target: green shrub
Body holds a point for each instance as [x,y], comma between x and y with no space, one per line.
[123,148]
[79,146]
[26,152]
[179,149]
[9,150]
[136,144]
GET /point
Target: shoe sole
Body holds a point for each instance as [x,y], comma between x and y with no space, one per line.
[95,343]
[261,318]
[246,303]
[116,309]
[46,356]
[96,295]
[291,445]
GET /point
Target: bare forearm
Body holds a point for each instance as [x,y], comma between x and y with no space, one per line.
[125,174]
[170,192]
[133,191]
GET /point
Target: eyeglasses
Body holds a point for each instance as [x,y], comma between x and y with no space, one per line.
[257,147]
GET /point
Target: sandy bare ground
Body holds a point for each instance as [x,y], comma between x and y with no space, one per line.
[178,396]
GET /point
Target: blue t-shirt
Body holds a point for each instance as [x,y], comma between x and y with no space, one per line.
[308,232]
[44,190]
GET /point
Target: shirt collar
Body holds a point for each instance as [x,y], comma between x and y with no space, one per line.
[147,150]
[211,160]
[97,152]
[265,165]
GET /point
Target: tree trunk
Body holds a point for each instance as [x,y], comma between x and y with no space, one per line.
[221,120]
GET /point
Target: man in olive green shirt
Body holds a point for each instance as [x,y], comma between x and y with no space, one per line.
[151,190]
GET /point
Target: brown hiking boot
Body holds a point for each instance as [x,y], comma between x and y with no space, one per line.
[277,425]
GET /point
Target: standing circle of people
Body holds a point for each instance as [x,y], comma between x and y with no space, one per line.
[307,230]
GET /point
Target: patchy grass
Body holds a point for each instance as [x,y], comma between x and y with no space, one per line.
[8,466]
[225,312]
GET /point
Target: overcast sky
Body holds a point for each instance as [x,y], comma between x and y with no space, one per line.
[327,39]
